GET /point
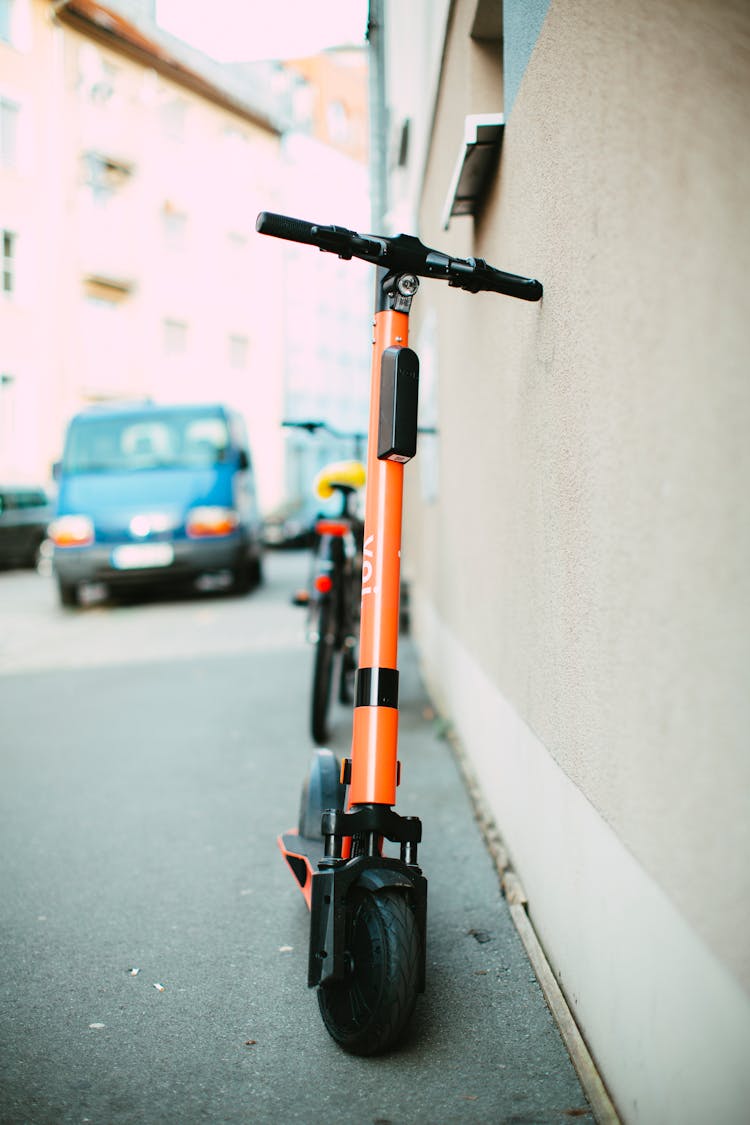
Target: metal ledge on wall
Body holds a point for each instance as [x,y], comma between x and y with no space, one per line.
[483,134]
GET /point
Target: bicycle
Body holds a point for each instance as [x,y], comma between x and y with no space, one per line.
[334,592]
[332,597]
[368,909]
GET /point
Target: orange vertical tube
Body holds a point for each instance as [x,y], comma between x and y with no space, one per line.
[375,729]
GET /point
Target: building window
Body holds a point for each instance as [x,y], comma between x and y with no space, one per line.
[238,351]
[8,264]
[173,115]
[519,30]
[337,119]
[175,228]
[105,176]
[402,151]
[175,337]
[102,88]
[9,112]
[105,290]
[15,23]
[106,342]
[96,77]
[236,147]
[6,20]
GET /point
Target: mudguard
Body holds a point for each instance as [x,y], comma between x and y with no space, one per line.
[330,906]
[322,790]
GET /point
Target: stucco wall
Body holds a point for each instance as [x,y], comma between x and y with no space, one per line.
[589,543]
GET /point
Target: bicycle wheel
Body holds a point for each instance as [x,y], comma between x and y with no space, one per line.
[323,673]
[368,1012]
[347,675]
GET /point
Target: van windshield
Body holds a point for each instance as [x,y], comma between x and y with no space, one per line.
[168,440]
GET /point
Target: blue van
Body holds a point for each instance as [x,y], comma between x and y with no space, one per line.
[154,495]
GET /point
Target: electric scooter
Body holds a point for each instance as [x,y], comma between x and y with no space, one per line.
[368,909]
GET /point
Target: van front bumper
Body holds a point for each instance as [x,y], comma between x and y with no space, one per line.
[118,564]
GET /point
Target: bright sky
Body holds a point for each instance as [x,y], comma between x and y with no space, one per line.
[246,30]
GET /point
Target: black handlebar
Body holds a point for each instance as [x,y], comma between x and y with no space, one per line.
[313,427]
[402,254]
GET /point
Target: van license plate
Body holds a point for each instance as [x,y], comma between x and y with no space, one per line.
[135,556]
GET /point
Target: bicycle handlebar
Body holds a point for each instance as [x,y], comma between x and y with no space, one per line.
[313,427]
[403,254]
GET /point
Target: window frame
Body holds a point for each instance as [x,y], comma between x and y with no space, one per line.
[8,263]
[10,112]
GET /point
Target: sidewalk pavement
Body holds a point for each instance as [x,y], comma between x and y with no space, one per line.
[153,940]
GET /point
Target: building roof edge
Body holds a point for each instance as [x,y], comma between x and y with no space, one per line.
[97,22]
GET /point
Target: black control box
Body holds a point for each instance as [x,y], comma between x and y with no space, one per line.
[399,396]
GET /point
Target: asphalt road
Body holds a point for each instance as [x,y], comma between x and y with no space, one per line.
[152,942]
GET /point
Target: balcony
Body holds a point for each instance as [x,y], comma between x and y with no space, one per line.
[107,248]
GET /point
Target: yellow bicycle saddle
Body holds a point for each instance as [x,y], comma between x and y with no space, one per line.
[339,474]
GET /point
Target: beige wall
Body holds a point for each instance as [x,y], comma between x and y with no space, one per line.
[582,576]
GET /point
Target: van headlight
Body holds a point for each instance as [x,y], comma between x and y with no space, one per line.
[71,531]
[208,521]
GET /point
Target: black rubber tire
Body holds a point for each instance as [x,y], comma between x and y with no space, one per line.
[68,592]
[368,1012]
[242,579]
[347,676]
[256,572]
[34,555]
[322,674]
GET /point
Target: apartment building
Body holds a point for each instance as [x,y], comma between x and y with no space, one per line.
[30,204]
[577,533]
[129,188]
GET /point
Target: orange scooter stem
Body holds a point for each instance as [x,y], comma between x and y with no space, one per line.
[375,729]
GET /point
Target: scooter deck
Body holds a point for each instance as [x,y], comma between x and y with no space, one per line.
[302,855]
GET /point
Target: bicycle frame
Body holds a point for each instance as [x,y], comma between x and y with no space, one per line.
[334,611]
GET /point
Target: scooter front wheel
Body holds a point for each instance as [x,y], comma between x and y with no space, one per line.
[368,1012]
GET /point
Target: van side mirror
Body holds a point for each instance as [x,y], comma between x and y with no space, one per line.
[243,461]
[56,470]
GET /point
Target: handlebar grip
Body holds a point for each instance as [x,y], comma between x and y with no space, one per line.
[281,226]
[524,288]
[476,275]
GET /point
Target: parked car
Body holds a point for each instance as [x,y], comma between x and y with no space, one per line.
[153,496]
[25,513]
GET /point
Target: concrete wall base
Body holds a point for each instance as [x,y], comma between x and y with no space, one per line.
[666,1023]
